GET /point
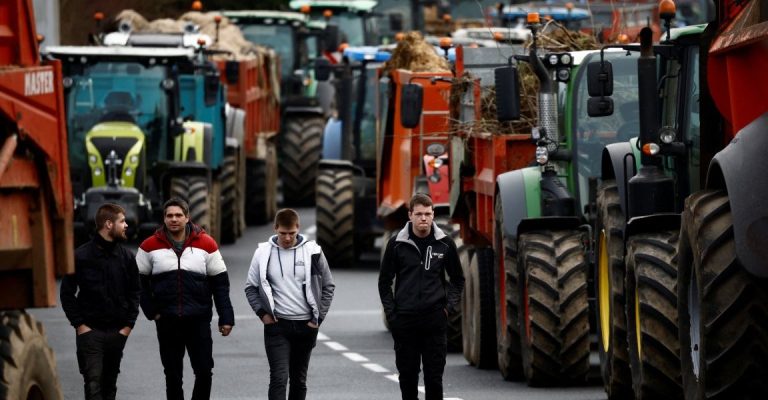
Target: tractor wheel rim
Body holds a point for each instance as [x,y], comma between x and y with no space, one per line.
[604,292]
[694,315]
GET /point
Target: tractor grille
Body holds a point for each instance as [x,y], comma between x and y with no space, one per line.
[121,146]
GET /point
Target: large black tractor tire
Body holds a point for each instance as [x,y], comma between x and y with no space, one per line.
[609,280]
[723,310]
[195,191]
[651,284]
[261,189]
[507,326]
[335,216]
[454,319]
[479,325]
[229,200]
[300,151]
[554,323]
[28,365]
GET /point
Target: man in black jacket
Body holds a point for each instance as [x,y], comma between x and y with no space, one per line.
[182,276]
[101,300]
[418,259]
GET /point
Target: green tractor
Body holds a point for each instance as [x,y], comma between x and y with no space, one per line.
[137,137]
[305,102]
[356,19]
[543,214]
[644,184]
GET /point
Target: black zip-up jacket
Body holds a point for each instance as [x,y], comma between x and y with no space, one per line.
[104,291]
[420,276]
[184,283]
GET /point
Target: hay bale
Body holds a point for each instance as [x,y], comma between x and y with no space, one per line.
[135,20]
[415,54]
[163,25]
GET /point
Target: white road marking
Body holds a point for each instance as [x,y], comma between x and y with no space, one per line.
[336,346]
[376,368]
[322,337]
[356,357]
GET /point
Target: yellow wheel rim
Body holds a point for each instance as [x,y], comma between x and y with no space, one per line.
[604,292]
[637,323]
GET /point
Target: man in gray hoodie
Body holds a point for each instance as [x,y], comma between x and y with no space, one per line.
[290,288]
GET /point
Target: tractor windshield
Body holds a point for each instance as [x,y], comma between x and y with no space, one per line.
[116,92]
[351,25]
[594,133]
[278,37]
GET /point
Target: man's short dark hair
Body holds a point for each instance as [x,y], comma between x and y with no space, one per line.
[287,217]
[420,199]
[107,212]
[178,202]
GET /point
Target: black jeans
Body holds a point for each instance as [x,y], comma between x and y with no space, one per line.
[420,339]
[193,334]
[98,355]
[289,345]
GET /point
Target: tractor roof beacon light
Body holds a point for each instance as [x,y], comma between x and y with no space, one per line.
[399,36]
[305,9]
[197,5]
[446,43]
[327,14]
[667,11]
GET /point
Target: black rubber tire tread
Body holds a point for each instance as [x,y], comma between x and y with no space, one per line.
[454,319]
[553,266]
[614,364]
[335,216]
[194,190]
[510,360]
[26,359]
[467,296]
[652,275]
[483,340]
[734,306]
[301,147]
[229,206]
[256,193]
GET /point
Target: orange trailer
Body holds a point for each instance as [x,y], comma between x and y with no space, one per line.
[35,202]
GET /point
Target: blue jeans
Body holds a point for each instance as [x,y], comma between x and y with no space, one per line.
[289,345]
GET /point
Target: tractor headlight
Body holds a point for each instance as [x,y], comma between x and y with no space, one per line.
[565,59]
[438,162]
[134,159]
[128,171]
[97,171]
[542,155]
[563,74]
[67,82]
[168,84]
[553,59]
[667,135]
[92,159]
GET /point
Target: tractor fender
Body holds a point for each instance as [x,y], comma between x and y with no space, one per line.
[332,140]
[616,165]
[302,110]
[653,223]
[235,124]
[511,192]
[740,170]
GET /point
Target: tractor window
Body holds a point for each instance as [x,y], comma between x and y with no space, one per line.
[112,92]
[278,37]
[368,120]
[351,25]
[691,128]
[593,133]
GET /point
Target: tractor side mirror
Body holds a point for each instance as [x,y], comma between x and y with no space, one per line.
[599,106]
[331,38]
[395,22]
[600,78]
[600,88]
[322,69]
[411,100]
[232,71]
[507,83]
[211,89]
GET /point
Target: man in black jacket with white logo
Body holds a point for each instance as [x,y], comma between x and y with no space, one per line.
[101,300]
[418,259]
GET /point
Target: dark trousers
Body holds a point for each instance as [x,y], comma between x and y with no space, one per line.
[420,339]
[98,355]
[289,345]
[192,334]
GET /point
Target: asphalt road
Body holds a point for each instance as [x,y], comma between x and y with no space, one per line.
[353,359]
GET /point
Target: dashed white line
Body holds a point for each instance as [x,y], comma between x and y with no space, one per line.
[336,346]
[375,368]
[322,337]
[356,357]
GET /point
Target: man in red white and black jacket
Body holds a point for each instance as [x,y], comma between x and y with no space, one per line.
[183,275]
